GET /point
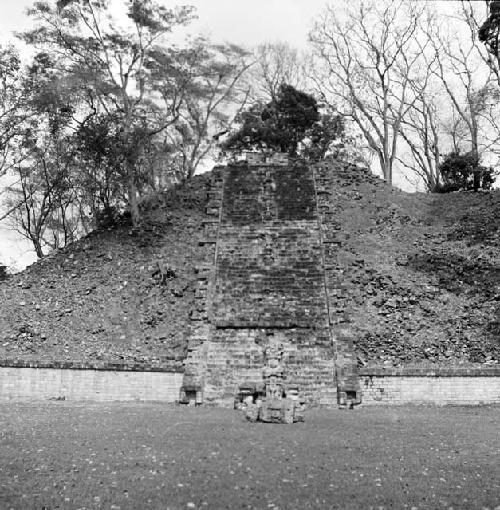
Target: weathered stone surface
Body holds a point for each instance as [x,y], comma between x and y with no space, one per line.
[269,285]
[252,412]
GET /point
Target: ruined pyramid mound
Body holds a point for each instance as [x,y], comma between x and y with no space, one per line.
[420,274]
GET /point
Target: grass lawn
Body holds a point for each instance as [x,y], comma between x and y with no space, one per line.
[135,455]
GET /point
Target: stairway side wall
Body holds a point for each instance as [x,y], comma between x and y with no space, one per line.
[346,370]
[200,326]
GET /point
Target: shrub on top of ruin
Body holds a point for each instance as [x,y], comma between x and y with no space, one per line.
[290,123]
[462,172]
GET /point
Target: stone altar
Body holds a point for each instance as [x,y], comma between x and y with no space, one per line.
[271,400]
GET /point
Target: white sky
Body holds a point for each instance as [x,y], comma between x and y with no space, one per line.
[245,22]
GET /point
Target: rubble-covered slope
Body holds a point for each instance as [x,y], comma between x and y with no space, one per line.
[114,296]
[422,278]
[422,272]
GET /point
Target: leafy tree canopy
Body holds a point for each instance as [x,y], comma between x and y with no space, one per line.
[489,33]
[463,172]
[280,124]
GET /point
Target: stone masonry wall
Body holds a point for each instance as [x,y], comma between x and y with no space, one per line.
[200,327]
[20,384]
[269,266]
[443,386]
[266,285]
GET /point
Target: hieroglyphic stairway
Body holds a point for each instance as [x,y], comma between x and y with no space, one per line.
[269,280]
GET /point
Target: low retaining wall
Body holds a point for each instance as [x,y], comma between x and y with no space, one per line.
[87,382]
[105,382]
[453,385]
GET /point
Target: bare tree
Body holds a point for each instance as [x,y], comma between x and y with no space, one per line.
[469,83]
[421,132]
[277,63]
[45,197]
[214,95]
[421,126]
[367,59]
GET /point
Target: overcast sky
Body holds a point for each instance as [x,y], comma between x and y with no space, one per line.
[246,22]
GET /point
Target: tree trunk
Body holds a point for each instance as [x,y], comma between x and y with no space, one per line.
[477,178]
[130,160]
[385,162]
[133,202]
[387,170]
[475,151]
[38,247]
[133,199]
[431,182]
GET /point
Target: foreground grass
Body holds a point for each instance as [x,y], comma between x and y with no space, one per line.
[134,456]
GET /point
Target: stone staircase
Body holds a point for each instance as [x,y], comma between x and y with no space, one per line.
[271,277]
